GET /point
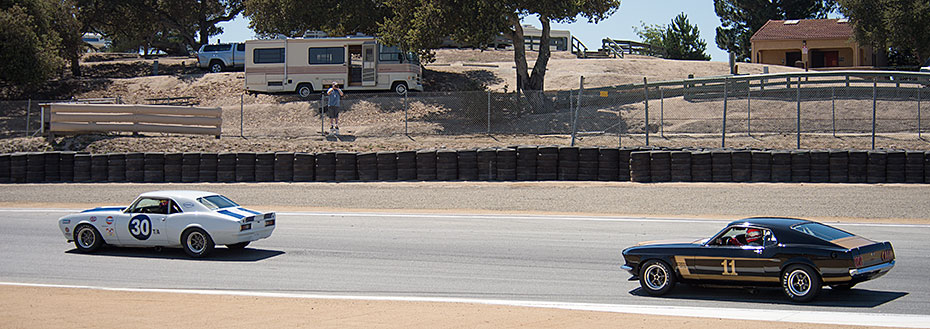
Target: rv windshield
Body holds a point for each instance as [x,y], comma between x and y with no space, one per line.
[412,58]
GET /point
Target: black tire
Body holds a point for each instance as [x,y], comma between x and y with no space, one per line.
[842,287]
[197,243]
[399,87]
[238,246]
[800,283]
[87,239]
[656,278]
[217,67]
[304,90]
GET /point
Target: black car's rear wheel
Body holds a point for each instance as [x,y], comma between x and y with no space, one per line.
[801,283]
[656,277]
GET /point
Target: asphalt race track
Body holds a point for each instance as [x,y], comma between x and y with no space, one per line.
[514,257]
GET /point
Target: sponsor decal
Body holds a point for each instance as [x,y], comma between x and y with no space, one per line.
[188,205]
[66,221]
[109,231]
[109,220]
[93,219]
[140,227]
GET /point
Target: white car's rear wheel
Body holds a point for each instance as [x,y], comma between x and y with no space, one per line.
[87,239]
[196,242]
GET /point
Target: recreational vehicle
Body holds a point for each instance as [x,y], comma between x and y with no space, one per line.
[357,63]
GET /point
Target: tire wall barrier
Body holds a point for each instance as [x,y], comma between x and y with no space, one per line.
[518,163]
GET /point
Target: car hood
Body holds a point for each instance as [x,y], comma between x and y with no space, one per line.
[109,208]
[669,242]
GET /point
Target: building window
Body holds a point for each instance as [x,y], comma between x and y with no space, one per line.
[329,55]
[268,55]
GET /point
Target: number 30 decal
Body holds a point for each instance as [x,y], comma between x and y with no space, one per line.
[140,227]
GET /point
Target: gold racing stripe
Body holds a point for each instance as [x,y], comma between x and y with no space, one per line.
[685,273]
[682,267]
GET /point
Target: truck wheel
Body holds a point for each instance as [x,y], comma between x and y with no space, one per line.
[304,90]
[399,87]
[217,67]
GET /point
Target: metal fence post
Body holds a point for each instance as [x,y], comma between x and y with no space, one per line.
[619,128]
[661,112]
[723,132]
[749,107]
[28,118]
[577,109]
[322,115]
[799,112]
[874,107]
[241,116]
[489,111]
[406,124]
[833,108]
[646,102]
[918,111]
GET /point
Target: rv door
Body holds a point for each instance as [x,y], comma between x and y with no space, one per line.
[369,68]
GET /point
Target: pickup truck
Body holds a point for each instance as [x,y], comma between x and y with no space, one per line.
[217,58]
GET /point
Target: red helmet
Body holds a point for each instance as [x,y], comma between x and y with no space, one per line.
[753,235]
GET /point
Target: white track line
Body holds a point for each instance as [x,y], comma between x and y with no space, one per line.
[489,217]
[818,317]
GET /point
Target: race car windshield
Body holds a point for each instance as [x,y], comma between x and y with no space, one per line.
[822,231]
[214,202]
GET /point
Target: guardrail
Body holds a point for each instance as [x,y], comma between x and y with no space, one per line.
[81,118]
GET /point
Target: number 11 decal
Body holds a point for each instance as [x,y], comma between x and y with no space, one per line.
[731,269]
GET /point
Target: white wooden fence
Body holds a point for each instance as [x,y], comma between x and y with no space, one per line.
[83,118]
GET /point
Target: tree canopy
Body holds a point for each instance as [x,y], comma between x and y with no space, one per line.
[421,25]
[740,19]
[33,40]
[294,17]
[680,39]
[898,26]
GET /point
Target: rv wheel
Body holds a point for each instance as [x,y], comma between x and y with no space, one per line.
[304,90]
[400,87]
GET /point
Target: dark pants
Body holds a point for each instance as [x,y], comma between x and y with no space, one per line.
[332,111]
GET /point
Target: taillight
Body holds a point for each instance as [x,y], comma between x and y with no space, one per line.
[244,227]
[887,255]
[857,261]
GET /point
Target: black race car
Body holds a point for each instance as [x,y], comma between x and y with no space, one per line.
[800,255]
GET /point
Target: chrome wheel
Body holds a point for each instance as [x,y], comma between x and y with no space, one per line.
[196,242]
[87,237]
[656,277]
[400,88]
[799,282]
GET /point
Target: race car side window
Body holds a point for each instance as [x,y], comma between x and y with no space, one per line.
[150,206]
[743,236]
[174,208]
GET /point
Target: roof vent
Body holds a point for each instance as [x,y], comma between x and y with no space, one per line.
[792,22]
[842,21]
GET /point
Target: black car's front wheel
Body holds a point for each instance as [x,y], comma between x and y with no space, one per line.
[801,283]
[656,277]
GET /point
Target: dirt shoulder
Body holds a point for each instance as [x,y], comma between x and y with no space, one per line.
[39,307]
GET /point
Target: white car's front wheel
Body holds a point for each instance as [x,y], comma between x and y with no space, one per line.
[196,242]
[87,239]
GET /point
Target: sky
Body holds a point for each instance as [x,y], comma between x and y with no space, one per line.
[618,26]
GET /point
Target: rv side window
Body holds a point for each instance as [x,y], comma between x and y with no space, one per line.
[268,55]
[329,55]
[390,55]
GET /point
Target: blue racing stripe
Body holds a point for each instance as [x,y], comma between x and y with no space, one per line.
[253,212]
[230,213]
[104,209]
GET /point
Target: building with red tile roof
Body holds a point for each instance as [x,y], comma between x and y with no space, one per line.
[810,43]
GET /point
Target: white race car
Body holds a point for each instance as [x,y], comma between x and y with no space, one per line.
[193,220]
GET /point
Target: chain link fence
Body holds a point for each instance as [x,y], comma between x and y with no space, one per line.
[713,110]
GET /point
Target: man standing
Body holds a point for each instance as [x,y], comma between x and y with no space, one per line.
[335,96]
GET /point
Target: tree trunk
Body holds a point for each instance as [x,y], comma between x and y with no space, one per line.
[519,53]
[75,66]
[538,78]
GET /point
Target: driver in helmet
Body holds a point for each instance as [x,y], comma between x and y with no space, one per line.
[163,206]
[754,237]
